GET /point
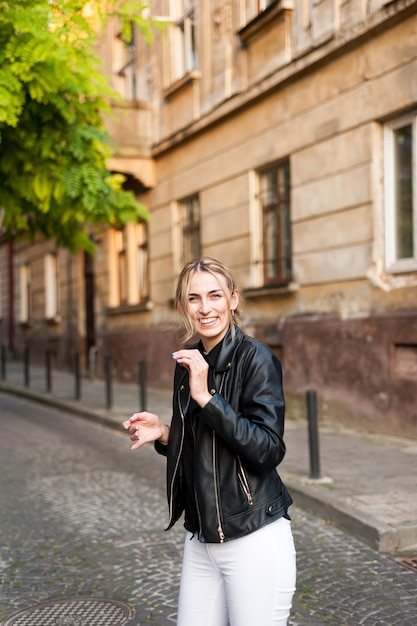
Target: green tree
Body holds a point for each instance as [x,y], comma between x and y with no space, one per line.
[53,141]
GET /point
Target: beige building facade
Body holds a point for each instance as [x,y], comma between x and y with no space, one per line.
[281,138]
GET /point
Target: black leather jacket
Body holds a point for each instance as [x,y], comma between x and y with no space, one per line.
[238,444]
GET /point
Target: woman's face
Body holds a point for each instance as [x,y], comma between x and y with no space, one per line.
[209,305]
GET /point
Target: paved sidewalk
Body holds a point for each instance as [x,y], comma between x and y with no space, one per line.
[368,483]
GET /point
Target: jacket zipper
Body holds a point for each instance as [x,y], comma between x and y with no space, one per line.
[244,482]
[216,491]
[171,494]
[200,525]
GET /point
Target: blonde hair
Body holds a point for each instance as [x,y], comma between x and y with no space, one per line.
[213,267]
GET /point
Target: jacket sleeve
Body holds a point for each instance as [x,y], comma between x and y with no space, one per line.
[179,375]
[254,429]
[161,448]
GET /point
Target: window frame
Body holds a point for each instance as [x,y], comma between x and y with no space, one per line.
[142,261]
[264,4]
[51,286]
[122,266]
[280,210]
[129,284]
[393,263]
[190,229]
[184,41]
[255,10]
[25,289]
[130,82]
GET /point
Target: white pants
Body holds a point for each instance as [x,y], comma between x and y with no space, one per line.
[248,581]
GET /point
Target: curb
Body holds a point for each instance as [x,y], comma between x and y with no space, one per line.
[380,537]
[64,405]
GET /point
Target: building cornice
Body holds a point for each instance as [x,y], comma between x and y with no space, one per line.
[336,44]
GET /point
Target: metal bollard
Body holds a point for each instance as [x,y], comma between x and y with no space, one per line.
[142,385]
[3,361]
[26,359]
[48,370]
[92,355]
[313,434]
[77,377]
[107,374]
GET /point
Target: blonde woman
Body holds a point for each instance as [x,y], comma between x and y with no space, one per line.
[223,445]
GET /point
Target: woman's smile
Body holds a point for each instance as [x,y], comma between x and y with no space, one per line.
[207,321]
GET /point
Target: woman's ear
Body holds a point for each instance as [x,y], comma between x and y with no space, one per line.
[234,301]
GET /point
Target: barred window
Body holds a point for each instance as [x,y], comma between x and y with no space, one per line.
[274,199]
[189,214]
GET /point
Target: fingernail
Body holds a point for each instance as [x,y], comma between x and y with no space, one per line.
[174,354]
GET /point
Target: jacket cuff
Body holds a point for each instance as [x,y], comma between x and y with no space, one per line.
[161,448]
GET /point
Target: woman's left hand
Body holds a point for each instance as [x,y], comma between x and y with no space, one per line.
[198,368]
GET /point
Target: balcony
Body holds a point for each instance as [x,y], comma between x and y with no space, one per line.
[131,129]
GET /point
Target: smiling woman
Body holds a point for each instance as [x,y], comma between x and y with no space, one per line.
[210,307]
[222,285]
[222,447]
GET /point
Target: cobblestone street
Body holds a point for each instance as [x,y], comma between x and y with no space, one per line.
[82,515]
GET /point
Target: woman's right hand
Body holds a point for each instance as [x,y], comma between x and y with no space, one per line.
[145,427]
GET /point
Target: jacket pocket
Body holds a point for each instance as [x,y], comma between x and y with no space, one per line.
[243,480]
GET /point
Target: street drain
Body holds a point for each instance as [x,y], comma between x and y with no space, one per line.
[410,562]
[74,612]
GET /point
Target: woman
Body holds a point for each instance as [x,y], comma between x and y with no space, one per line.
[223,445]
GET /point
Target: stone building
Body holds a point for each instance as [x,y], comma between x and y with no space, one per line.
[281,138]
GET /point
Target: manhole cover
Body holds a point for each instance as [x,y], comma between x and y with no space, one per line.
[410,562]
[74,612]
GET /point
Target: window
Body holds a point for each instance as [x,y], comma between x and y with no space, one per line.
[263,4]
[25,293]
[274,204]
[131,84]
[254,7]
[189,217]
[51,286]
[400,194]
[184,56]
[128,265]
[142,261]
[121,261]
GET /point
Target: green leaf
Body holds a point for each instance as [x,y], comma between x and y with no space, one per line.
[41,186]
[54,144]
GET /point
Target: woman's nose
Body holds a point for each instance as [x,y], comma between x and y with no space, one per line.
[204,305]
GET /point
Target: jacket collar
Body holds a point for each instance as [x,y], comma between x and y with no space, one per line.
[223,363]
[228,349]
[226,352]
